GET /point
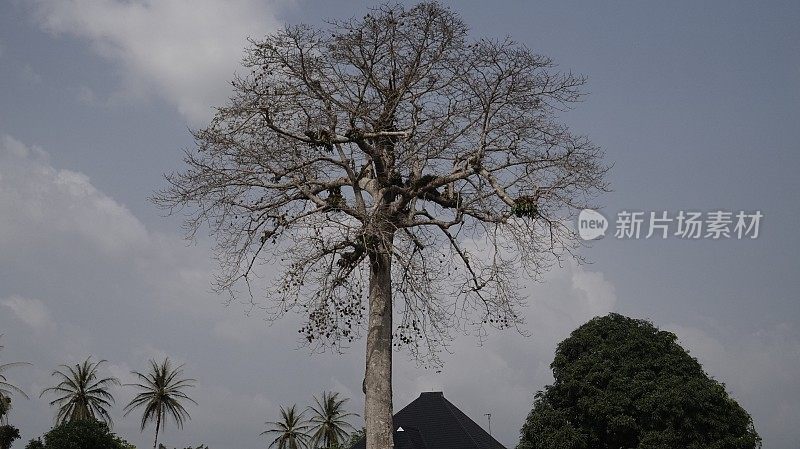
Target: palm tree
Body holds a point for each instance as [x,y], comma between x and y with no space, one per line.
[329,421]
[290,430]
[161,395]
[82,393]
[7,388]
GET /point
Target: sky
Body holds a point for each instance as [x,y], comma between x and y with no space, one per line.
[696,105]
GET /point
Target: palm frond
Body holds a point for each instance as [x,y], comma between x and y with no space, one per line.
[7,389]
[291,429]
[160,394]
[81,393]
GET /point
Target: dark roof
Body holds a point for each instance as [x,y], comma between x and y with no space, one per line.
[433,422]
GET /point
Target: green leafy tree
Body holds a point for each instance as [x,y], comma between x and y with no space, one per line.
[622,383]
[7,389]
[354,438]
[8,434]
[80,434]
[81,393]
[291,430]
[161,394]
[122,444]
[328,422]
[35,444]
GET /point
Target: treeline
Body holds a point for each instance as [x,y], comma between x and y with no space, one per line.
[83,399]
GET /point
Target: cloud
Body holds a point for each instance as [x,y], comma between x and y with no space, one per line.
[122,371]
[45,203]
[29,75]
[85,95]
[235,331]
[32,312]
[186,51]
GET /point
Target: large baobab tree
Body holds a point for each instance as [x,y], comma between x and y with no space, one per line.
[390,165]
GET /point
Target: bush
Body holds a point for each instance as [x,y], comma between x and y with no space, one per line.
[35,444]
[83,434]
[7,436]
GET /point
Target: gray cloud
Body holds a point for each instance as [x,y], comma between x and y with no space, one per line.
[50,203]
[183,50]
[32,312]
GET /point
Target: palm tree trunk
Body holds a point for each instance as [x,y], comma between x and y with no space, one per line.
[158,427]
[378,373]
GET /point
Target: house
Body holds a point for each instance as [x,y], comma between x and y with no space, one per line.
[433,422]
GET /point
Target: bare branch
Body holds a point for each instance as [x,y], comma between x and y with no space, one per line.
[392,135]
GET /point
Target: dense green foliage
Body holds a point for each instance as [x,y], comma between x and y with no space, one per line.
[81,394]
[8,434]
[122,444]
[80,434]
[35,444]
[622,383]
[355,437]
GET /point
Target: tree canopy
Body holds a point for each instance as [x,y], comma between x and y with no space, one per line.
[623,383]
[8,434]
[397,135]
[162,394]
[392,164]
[83,434]
[82,393]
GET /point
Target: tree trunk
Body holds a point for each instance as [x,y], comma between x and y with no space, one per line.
[158,427]
[378,373]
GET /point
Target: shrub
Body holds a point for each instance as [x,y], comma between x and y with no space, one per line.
[35,444]
[8,434]
[81,434]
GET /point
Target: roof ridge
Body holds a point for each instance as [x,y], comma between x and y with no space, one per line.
[459,414]
[449,406]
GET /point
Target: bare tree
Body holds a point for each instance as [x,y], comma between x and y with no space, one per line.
[390,154]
